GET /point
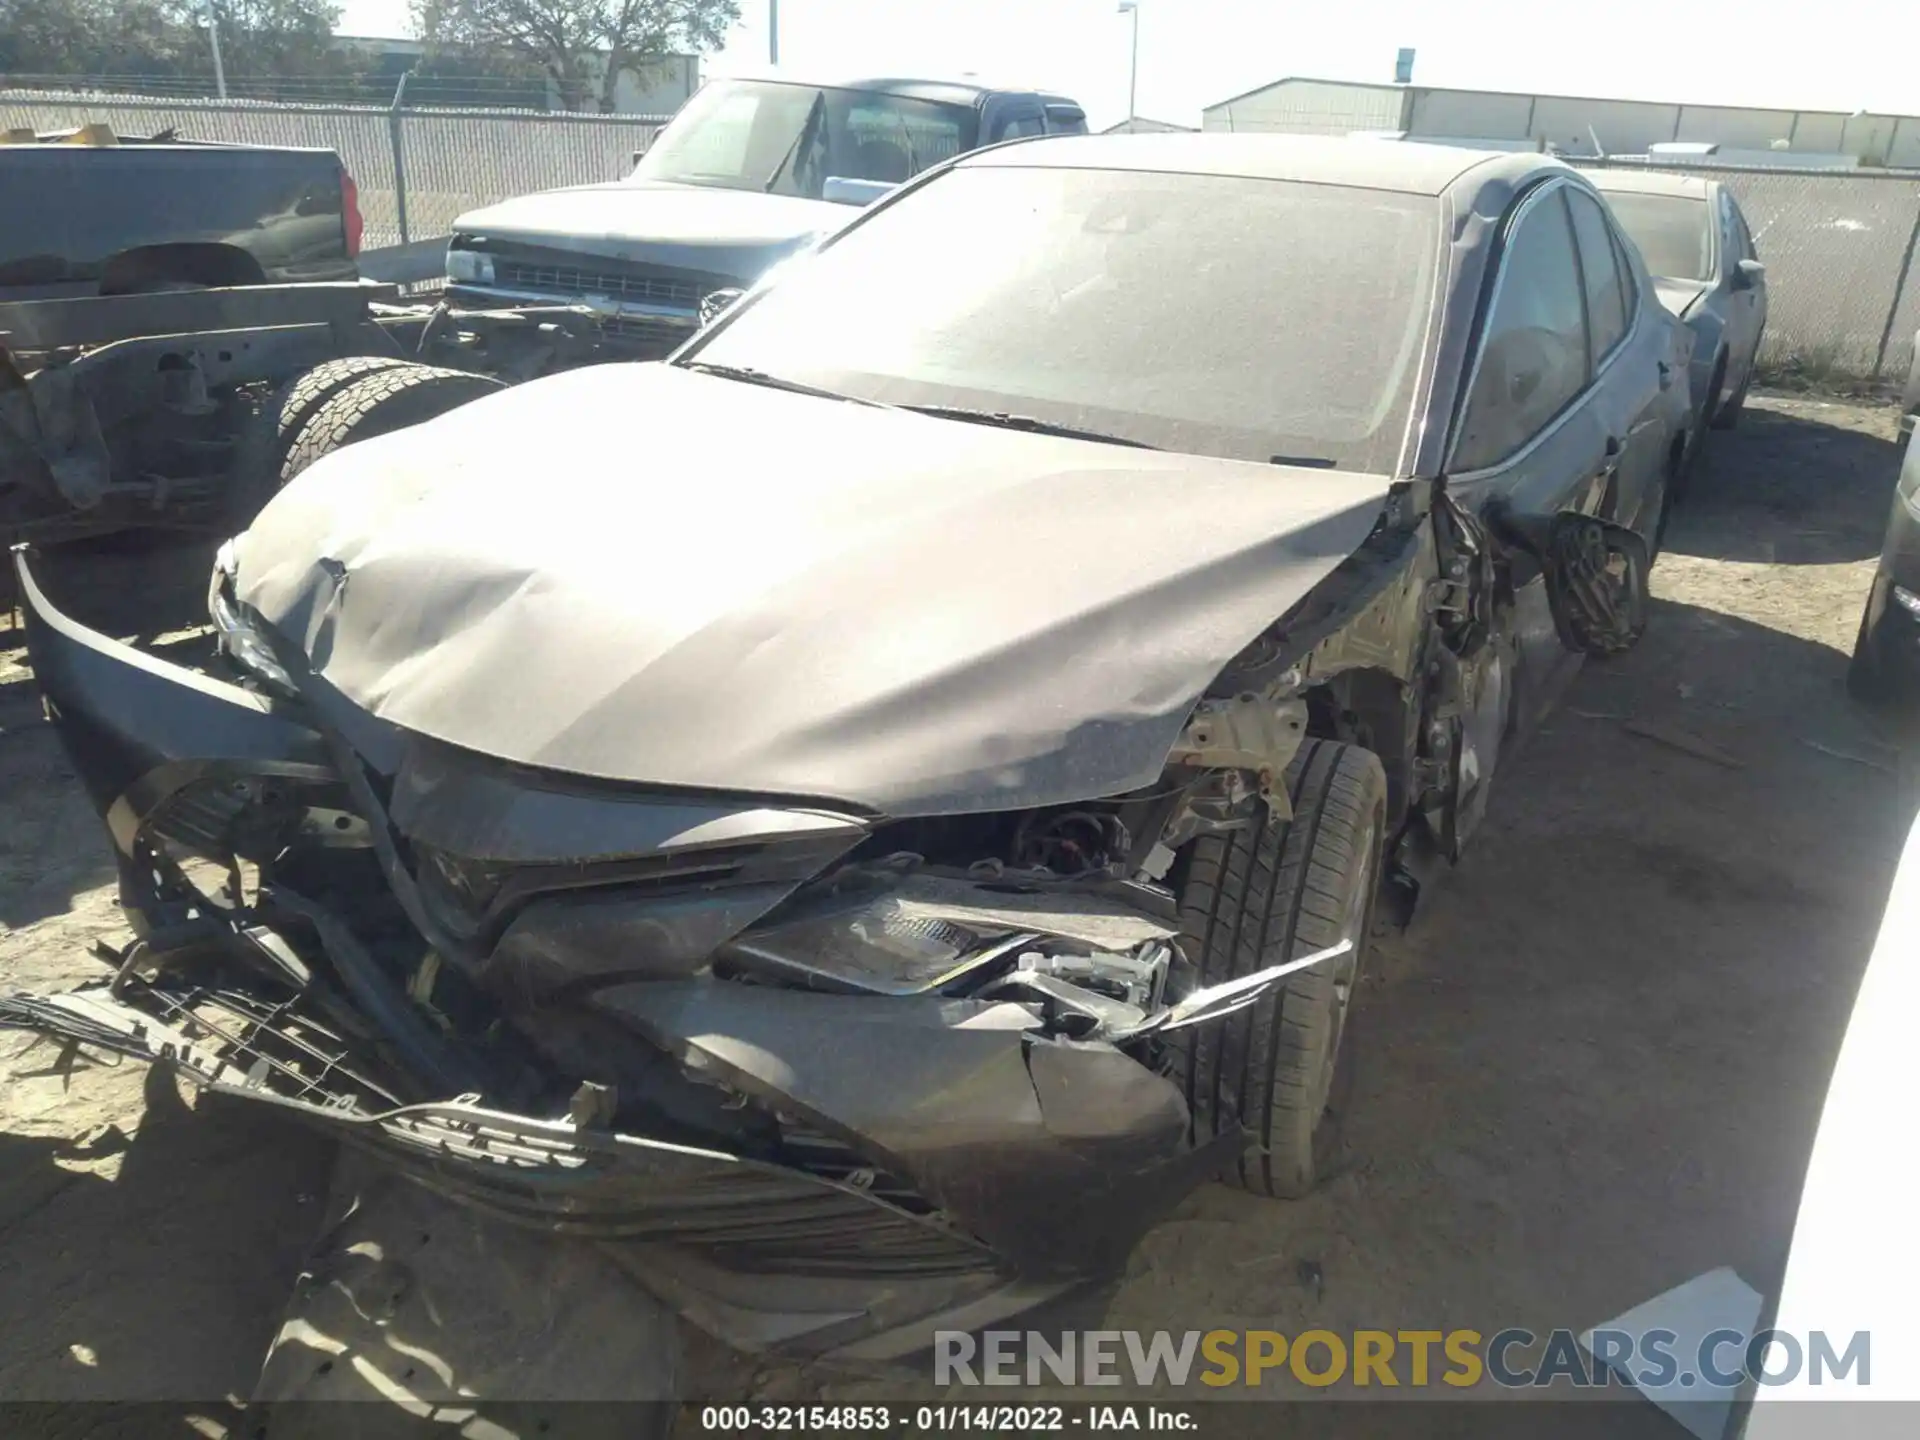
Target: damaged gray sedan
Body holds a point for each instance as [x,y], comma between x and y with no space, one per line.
[866,815]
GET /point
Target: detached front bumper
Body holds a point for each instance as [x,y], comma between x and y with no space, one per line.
[813,1172]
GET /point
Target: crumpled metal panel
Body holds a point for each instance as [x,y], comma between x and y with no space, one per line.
[642,574]
[1058,1155]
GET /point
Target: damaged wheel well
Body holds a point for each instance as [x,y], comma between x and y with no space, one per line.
[1370,708]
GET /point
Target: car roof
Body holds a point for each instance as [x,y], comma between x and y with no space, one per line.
[1406,166]
[948,92]
[1651,182]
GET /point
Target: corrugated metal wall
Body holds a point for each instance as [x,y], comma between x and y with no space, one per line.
[1303,106]
[1310,107]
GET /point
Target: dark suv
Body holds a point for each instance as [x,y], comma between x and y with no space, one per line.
[748,173]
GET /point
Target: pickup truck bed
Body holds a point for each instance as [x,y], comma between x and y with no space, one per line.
[118,218]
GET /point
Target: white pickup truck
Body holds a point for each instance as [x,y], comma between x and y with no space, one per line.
[749,172]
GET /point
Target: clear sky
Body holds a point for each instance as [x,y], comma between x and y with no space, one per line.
[1839,55]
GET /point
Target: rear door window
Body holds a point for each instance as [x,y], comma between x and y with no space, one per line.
[1606,288]
[900,142]
[1066,120]
[1730,249]
[1017,120]
[1742,234]
[1533,356]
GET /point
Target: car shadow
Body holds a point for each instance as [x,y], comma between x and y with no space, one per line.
[1789,486]
[55,857]
[150,1268]
[134,587]
[1593,1066]
[1596,1062]
[53,849]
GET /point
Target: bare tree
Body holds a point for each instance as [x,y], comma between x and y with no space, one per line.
[568,38]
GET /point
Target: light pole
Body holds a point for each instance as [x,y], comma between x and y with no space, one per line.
[213,33]
[773,32]
[1132,7]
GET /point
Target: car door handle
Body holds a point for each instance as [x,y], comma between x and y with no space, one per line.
[1666,375]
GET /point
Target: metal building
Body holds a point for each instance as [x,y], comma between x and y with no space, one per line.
[1572,125]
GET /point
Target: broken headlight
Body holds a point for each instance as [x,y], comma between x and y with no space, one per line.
[235,633]
[469,266]
[878,941]
[871,942]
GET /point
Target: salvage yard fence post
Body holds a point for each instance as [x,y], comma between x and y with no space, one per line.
[396,126]
[416,167]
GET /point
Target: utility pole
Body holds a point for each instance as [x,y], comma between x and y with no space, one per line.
[1132,8]
[213,33]
[773,32]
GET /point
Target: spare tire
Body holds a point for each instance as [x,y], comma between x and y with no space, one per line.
[376,404]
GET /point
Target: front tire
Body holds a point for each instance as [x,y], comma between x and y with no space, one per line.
[1253,899]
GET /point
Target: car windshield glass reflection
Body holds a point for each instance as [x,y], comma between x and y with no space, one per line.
[790,139]
[1674,233]
[1252,319]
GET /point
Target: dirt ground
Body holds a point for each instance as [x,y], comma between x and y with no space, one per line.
[1591,1070]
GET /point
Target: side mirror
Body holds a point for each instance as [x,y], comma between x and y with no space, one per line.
[716,303]
[845,190]
[1747,274]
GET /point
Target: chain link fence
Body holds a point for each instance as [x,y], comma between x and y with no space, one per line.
[1843,280]
[416,169]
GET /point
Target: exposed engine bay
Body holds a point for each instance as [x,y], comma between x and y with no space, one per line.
[660,1019]
[829,1077]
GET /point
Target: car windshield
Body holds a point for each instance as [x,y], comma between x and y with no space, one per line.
[790,139]
[1674,233]
[1252,319]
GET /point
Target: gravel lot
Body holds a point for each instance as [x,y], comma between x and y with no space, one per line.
[1590,1071]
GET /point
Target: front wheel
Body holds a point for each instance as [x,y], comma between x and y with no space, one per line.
[1256,898]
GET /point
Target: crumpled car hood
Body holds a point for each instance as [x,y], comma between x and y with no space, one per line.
[643,574]
[731,232]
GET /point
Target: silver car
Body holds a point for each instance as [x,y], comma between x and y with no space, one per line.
[1697,247]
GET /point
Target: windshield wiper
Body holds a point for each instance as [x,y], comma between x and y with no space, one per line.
[1028,423]
[748,375]
[814,112]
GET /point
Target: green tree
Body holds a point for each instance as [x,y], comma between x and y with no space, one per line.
[273,37]
[166,37]
[581,45]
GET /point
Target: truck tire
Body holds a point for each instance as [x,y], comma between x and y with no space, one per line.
[1253,899]
[377,404]
[263,444]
